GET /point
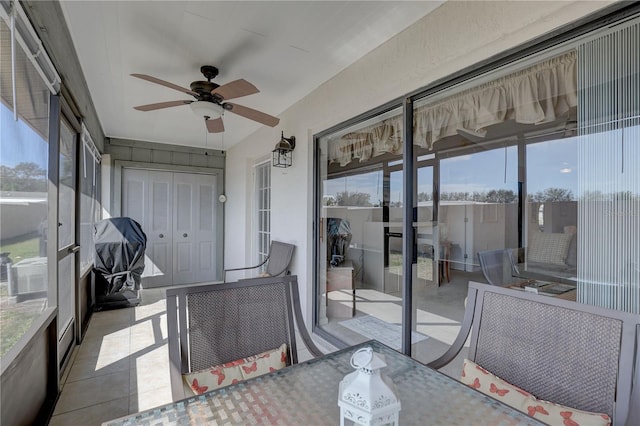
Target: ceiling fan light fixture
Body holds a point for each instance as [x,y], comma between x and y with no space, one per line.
[206,109]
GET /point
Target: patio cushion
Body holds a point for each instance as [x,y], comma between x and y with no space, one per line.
[556,414]
[236,371]
[553,414]
[482,380]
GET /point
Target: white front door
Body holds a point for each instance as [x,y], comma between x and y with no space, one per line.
[177,212]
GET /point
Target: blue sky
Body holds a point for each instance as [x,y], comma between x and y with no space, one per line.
[19,143]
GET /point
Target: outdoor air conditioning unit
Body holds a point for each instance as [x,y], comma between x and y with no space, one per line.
[28,279]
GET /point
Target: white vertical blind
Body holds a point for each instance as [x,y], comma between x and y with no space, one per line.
[609,176]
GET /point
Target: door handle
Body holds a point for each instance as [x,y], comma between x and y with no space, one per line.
[184,235]
[161,235]
[73,249]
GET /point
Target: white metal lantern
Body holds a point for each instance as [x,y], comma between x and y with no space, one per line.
[367,397]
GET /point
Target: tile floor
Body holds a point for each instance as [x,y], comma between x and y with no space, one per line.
[122,366]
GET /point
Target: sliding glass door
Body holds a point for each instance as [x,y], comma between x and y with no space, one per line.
[534,161]
[360,231]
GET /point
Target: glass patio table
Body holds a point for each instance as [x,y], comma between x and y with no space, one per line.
[307,394]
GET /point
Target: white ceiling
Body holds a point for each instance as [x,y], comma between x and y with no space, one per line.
[286,49]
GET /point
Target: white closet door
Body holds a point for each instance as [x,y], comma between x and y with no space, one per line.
[146,198]
[205,236]
[194,228]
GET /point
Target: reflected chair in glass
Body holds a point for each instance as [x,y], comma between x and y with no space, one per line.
[209,325]
[498,267]
[577,355]
[277,262]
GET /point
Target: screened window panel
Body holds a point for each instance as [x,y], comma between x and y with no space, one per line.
[24,162]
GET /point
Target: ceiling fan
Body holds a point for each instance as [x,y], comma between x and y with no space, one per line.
[211,99]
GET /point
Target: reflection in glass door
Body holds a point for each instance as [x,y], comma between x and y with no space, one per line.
[424,229]
[478,204]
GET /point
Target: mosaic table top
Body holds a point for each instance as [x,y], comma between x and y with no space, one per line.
[307,394]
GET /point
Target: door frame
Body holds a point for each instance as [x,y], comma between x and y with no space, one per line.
[116,193]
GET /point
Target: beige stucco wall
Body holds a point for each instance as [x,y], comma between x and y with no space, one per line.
[456,35]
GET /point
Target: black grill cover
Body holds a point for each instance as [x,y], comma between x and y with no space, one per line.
[119,245]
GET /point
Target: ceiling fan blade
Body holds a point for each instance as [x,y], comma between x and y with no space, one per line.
[235,89]
[160,105]
[215,126]
[165,83]
[253,114]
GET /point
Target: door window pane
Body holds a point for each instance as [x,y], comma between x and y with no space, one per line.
[263,210]
[66,227]
[89,205]
[66,203]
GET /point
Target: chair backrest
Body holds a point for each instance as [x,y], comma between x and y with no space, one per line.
[497,266]
[573,354]
[280,255]
[214,324]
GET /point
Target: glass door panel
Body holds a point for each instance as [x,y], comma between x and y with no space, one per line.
[359,269]
[67,247]
[478,204]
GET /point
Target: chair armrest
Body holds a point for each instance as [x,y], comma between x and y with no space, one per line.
[463,334]
[297,312]
[634,404]
[224,272]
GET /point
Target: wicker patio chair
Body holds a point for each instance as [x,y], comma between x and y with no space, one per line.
[209,325]
[498,266]
[277,261]
[573,354]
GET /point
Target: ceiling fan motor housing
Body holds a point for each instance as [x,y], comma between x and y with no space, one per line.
[203,89]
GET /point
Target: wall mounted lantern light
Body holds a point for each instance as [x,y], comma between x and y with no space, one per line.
[283,153]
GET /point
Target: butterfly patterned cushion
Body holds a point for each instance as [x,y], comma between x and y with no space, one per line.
[553,414]
[236,371]
[556,414]
[482,380]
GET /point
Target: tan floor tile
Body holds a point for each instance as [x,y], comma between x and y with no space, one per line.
[122,316]
[146,311]
[96,390]
[146,400]
[94,415]
[96,366]
[149,333]
[150,371]
[115,345]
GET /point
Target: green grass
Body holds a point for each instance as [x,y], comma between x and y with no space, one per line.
[14,325]
[16,318]
[21,248]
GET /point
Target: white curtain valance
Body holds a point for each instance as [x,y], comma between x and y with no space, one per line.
[538,94]
[370,141]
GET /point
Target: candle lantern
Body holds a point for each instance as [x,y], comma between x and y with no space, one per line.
[367,397]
